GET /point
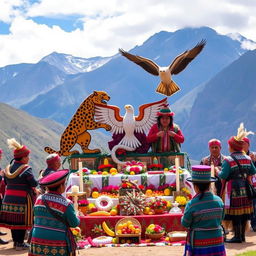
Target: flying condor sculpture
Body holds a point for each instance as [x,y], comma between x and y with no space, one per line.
[167,86]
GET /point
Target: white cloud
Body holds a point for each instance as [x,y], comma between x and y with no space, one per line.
[108,25]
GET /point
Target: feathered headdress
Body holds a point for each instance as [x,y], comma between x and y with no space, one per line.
[237,142]
[13,144]
[19,150]
[242,132]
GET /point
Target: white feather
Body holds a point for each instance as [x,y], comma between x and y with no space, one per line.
[13,143]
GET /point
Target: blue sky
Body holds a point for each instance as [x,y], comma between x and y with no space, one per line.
[30,30]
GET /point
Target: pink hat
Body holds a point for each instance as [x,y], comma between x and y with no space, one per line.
[1,151]
[214,142]
[54,179]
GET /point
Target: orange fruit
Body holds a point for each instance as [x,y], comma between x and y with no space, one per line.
[113,212]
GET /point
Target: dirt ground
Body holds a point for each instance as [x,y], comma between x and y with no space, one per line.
[232,249]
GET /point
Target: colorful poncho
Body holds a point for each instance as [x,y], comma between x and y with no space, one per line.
[203,218]
[49,235]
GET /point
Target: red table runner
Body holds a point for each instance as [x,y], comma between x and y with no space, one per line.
[171,222]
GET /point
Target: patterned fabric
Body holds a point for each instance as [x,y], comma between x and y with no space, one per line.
[203,218]
[166,143]
[16,209]
[49,235]
[237,204]
[217,161]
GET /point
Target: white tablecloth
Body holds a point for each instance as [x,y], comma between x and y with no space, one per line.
[99,181]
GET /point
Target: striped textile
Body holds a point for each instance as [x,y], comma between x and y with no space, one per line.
[16,209]
[203,219]
[49,235]
[237,204]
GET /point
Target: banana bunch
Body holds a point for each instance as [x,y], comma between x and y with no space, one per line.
[107,230]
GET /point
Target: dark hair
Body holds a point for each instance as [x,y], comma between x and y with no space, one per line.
[54,188]
[202,188]
[15,159]
[159,124]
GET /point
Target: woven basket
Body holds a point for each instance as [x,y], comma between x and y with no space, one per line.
[124,220]
[156,236]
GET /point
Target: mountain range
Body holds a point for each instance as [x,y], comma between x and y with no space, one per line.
[35,133]
[225,101]
[212,86]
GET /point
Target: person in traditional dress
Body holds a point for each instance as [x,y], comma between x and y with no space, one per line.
[17,205]
[53,217]
[252,155]
[165,135]
[215,158]
[203,216]
[2,189]
[236,171]
[53,162]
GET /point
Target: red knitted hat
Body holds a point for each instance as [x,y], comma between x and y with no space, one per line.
[214,142]
[52,158]
[21,152]
[165,111]
[245,139]
[235,144]
[1,151]
[54,179]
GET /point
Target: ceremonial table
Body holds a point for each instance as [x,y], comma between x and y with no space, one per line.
[171,222]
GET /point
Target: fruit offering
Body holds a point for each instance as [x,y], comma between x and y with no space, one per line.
[154,229]
[128,228]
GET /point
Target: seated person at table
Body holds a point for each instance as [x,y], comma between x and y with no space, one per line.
[203,216]
[216,158]
[165,135]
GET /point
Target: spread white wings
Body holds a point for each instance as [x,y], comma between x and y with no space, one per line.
[111,115]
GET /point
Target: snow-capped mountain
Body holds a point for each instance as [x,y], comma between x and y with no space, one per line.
[73,65]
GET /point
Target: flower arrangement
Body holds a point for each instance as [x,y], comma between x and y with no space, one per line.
[110,189]
[134,167]
[159,205]
[187,193]
[127,184]
[172,169]
[182,200]
[167,188]
[155,166]
[83,202]
[105,167]
[77,233]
